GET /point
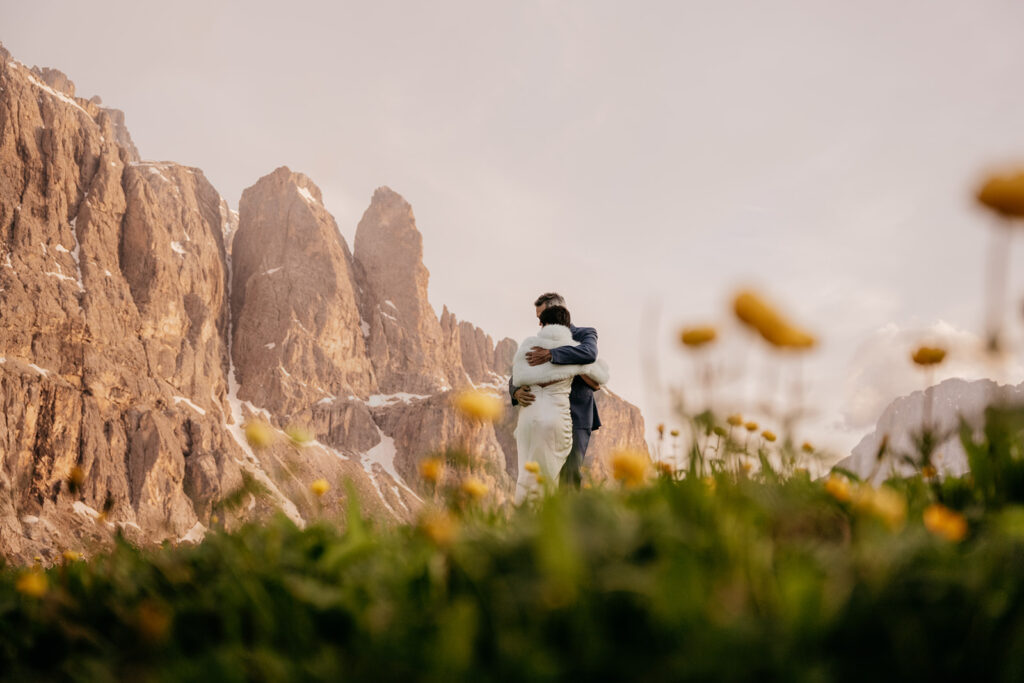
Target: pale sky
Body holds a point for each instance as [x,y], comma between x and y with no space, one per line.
[638,157]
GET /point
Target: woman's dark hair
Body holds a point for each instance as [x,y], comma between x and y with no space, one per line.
[555,315]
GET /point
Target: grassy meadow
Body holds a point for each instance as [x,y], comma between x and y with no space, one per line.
[732,563]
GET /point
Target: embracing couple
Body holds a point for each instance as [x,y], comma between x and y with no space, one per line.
[554,377]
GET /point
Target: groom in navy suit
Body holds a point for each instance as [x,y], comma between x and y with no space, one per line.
[581,396]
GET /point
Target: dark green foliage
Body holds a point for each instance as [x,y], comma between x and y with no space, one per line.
[723,578]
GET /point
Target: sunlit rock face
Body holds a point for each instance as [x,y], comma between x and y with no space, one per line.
[146,324]
[941,408]
[406,341]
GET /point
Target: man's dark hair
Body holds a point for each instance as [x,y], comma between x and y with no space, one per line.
[555,315]
[549,299]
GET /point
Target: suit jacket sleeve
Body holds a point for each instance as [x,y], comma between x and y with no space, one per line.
[583,354]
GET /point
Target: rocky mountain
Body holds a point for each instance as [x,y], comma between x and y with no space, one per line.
[145,324]
[942,407]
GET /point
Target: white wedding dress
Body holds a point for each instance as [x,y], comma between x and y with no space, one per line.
[544,431]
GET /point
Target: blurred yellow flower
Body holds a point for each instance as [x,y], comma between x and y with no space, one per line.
[697,336]
[319,487]
[258,433]
[665,468]
[720,431]
[474,487]
[674,432]
[432,469]
[541,479]
[532,467]
[746,467]
[768,435]
[928,471]
[710,483]
[942,521]
[439,526]
[630,466]
[735,420]
[807,447]
[479,405]
[1004,195]
[214,519]
[661,430]
[838,487]
[299,436]
[755,312]
[928,355]
[32,583]
[153,621]
[71,556]
[751,426]
[76,479]
[885,503]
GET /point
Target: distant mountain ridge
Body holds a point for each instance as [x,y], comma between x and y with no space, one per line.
[144,321]
[951,401]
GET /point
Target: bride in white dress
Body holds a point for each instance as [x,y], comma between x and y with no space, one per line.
[544,432]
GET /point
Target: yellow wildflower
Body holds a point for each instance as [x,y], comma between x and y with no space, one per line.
[432,469]
[214,519]
[439,526]
[755,312]
[942,521]
[665,468]
[153,621]
[807,447]
[541,479]
[838,487]
[710,483]
[532,467]
[928,355]
[32,583]
[319,487]
[475,488]
[76,478]
[768,435]
[479,405]
[884,502]
[697,336]
[751,426]
[629,466]
[928,471]
[719,430]
[674,432]
[735,420]
[661,430]
[71,556]
[1004,195]
[746,467]
[258,433]
[299,436]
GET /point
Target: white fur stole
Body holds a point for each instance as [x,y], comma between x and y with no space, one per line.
[551,337]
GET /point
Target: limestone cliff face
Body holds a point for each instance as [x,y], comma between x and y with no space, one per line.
[172,257]
[297,332]
[405,339]
[145,322]
[93,378]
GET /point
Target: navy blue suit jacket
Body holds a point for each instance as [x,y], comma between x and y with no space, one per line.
[582,406]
